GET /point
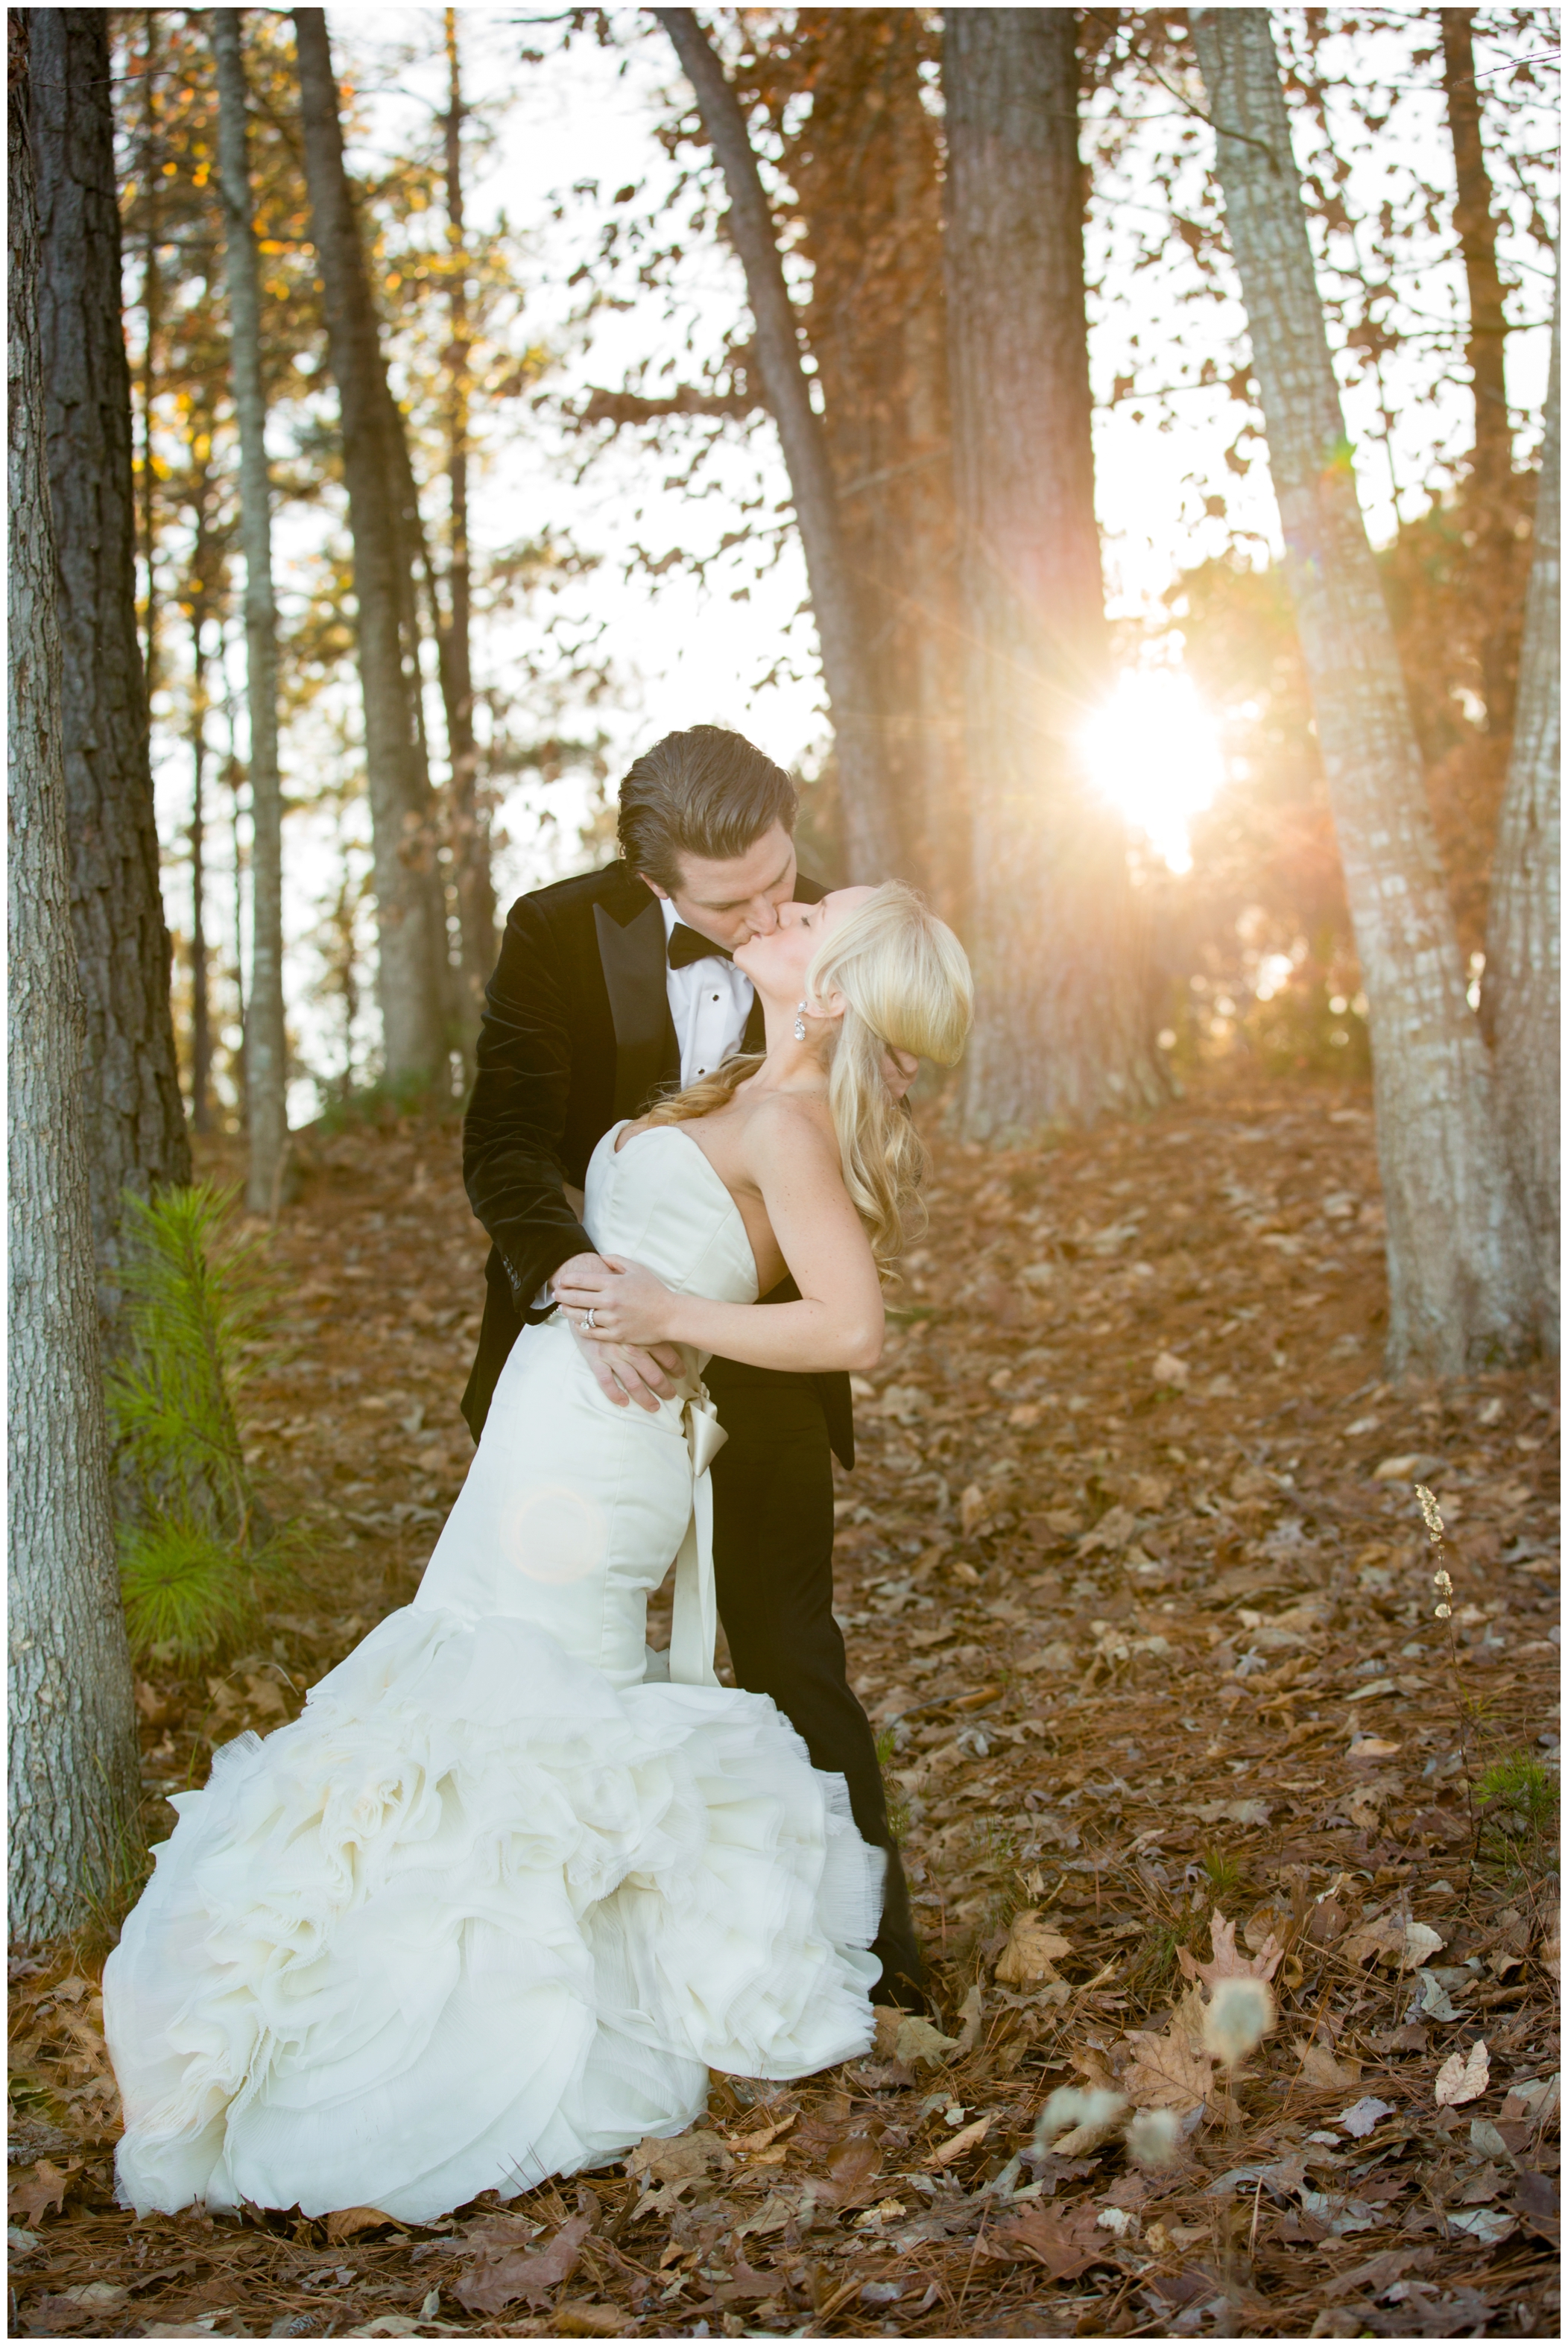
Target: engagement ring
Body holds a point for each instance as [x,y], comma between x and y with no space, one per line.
[588,1319]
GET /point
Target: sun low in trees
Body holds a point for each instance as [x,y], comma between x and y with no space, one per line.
[1062,1032]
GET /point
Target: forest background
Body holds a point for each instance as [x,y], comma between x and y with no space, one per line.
[634,565]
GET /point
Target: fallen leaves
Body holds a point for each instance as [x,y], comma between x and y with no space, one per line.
[1033,1950]
[1391,1939]
[345,2223]
[1362,2116]
[1464,2077]
[1170,2071]
[967,2138]
[906,2037]
[1227,1961]
[500,2275]
[31,2197]
[1065,2245]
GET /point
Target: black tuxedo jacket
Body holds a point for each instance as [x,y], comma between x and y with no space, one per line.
[576,1034]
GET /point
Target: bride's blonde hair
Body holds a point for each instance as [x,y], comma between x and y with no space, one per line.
[906,984]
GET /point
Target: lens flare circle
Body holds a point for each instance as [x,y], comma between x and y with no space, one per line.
[1153,751]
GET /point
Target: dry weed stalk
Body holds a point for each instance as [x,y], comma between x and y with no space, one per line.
[1432,1516]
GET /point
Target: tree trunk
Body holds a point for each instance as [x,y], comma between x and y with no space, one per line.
[1491,490]
[266,1039]
[1477,235]
[1061,1029]
[136,1135]
[1461,1289]
[151,306]
[72,1734]
[410,981]
[871,833]
[200,1006]
[1521,995]
[468,831]
[865,168]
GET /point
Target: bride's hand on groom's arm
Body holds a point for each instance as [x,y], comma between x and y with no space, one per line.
[628,1304]
[644,1373]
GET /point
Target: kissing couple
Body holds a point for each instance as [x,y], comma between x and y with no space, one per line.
[492,1908]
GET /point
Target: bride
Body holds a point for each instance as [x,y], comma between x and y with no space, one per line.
[492,1908]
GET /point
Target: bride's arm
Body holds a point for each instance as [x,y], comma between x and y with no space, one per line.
[838,1323]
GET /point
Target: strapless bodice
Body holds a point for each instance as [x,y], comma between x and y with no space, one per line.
[660,1202]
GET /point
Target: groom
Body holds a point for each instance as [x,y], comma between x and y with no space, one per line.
[612,987]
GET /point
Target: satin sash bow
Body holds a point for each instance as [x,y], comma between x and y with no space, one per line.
[695,1627]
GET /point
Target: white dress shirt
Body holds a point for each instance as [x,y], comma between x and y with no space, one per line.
[710,1001]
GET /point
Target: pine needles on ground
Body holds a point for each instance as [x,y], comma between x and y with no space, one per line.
[196,1540]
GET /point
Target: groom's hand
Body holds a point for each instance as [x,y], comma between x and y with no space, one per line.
[625,1373]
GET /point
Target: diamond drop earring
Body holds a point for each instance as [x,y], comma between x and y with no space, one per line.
[800,1022]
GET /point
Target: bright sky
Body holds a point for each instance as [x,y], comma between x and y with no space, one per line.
[685,653]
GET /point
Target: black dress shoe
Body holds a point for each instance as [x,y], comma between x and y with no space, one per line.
[898,1993]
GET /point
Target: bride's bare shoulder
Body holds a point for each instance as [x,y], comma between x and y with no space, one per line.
[787,1128]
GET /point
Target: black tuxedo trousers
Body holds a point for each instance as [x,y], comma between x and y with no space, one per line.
[773,1562]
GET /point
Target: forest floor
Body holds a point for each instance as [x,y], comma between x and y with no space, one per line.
[1134,1579]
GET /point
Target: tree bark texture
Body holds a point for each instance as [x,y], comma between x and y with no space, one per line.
[136,1131]
[1461,1289]
[1477,234]
[864,166]
[1491,491]
[266,1038]
[1062,1030]
[410,981]
[200,988]
[467,828]
[871,835]
[1521,998]
[72,1741]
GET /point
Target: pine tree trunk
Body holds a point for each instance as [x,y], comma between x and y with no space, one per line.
[266,1038]
[468,831]
[411,981]
[1491,493]
[1062,1030]
[152,305]
[72,1741]
[200,992]
[1521,996]
[136,1132]
[870,830]
[864,165]
[1461,1289]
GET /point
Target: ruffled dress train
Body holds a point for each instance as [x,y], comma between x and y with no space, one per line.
[498,1901]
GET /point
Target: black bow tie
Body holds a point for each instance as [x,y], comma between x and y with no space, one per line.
[685,946]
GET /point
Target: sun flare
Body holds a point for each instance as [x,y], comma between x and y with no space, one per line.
[1154,751]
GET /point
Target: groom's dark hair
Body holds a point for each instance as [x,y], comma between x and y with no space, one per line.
[704,792]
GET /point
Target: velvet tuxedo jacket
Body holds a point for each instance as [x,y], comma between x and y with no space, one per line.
[577,1035]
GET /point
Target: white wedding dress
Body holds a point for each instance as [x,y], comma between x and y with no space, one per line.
[492,1908]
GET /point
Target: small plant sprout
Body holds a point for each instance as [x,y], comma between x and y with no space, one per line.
[1239,2018]
[1152,2138]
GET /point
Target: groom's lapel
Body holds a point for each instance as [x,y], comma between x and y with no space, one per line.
[633,960]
